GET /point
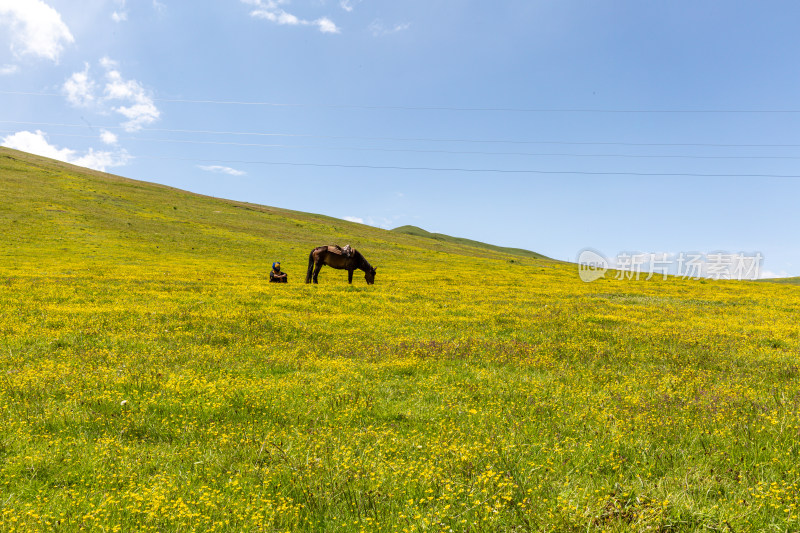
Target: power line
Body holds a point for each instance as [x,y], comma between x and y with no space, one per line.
[460,152]
[448,152]
[444,108]
[409,139]
[479,170]
[474,170]
[486,109]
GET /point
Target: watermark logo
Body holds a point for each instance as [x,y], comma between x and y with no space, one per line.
[592,265]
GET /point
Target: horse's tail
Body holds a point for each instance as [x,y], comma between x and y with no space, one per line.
[310,266]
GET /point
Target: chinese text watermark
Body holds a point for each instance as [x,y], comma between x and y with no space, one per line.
[592,265]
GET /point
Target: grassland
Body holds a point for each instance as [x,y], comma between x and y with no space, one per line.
[152,380]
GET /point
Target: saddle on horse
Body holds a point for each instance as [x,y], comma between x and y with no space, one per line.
[347,251]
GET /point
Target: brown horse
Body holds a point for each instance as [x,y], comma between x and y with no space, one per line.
[332,256]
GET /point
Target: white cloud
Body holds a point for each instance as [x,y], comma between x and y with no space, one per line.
[108,138]
[121,15]
[118,88]
[770,274]
[139,114]
[222,170]
[108,63]
[8,69]
[326,25]
[378,222]
[37,143]
[102,160]
[378,28]
[35,28]
[80,88]
[270,10]
[349,5]
[135,104]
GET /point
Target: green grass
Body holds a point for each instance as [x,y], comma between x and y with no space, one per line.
[151,379]
[786,281]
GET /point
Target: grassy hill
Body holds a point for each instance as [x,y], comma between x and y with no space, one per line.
[419,232]
[51,208]
[153,380]
[785,281]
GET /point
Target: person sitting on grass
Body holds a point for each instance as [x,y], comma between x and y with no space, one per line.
[276,276]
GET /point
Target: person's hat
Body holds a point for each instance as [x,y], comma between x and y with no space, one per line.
[276,265]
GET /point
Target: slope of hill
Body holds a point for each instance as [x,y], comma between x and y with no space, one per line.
[419,232]
[51,208]
[784,281]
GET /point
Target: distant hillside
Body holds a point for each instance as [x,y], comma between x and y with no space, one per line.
[419,232]
[49,208]
[785,281]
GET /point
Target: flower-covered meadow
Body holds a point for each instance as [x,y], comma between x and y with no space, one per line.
[151,379]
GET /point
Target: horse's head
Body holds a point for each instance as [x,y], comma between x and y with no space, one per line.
[370,276]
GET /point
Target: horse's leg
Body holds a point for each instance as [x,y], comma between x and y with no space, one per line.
[316,271]
[350,276]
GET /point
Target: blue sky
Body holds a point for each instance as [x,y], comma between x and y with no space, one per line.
[624,126]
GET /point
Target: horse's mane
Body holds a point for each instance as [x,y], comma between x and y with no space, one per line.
[360,259]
